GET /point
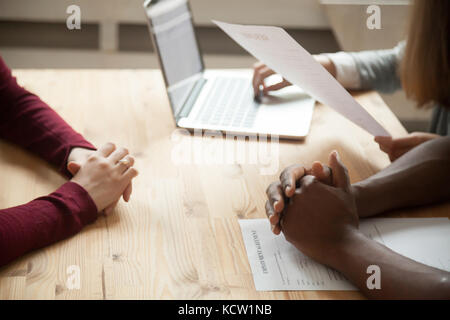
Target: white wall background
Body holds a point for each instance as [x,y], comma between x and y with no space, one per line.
[346,18]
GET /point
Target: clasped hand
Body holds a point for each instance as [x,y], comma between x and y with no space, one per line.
[106,174]
[315,208]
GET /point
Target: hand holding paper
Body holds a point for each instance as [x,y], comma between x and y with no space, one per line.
[274,47]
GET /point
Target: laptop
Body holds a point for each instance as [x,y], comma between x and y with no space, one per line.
[220,100]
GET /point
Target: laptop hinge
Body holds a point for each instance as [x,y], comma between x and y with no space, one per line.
[192,98]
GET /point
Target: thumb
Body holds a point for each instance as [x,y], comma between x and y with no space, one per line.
[73,167]
[127,192]
[321,172]
[339,172]
[385,143]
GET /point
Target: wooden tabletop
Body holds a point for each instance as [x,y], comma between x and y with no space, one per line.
[179,237]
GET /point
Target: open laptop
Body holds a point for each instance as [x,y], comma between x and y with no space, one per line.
[219,100]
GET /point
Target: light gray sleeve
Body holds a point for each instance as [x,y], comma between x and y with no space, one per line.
[378,69]
[440,121]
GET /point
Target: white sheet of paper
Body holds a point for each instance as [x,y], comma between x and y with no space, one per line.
[278,265]
[280,52]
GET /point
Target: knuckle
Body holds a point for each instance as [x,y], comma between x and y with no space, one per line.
[309,183]
[286,174]
[273,186]
[258,64]
[104,164]
[268,211]
[344,168]
[268,189]
[131,159]
[275,196]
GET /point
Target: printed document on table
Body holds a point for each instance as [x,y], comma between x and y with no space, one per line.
[280,52]
[278,265]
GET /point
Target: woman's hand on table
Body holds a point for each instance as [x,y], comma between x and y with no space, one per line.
[396,147]
[79,156]
[106,174]
[261,72]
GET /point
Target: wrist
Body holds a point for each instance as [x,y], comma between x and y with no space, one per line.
[327,63]
[345,248]
[74,154]
[79,154]
[357,190]
[81,199]
[330,252]
[366,200]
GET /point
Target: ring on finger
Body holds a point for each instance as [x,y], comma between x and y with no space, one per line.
[125,161]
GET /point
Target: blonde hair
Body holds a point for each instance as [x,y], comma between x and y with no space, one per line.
[425,68]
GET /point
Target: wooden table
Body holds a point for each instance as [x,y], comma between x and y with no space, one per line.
[179,236]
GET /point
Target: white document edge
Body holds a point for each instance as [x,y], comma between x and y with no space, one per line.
[306,72]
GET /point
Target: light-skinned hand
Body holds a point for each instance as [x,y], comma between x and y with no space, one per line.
[104,177]
[261,72]
[78,157]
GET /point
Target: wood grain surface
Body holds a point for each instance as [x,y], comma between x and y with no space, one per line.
[178,237]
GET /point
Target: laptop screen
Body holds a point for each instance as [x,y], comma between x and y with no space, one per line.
[174,36]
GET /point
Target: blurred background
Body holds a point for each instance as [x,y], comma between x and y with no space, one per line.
[33,34]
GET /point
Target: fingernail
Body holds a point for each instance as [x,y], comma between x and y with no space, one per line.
[288,189]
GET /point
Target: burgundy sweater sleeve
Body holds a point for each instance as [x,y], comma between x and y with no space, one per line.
[44,221]
[29,122]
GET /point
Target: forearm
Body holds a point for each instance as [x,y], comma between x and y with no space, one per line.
[419,177]
[378,69]
[30,123]
[44,221]
[400,277]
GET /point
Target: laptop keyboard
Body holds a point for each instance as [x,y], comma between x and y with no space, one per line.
[229,103]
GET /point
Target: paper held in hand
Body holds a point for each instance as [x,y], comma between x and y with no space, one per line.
[280,52]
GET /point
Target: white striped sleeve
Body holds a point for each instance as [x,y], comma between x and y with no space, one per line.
[346,70]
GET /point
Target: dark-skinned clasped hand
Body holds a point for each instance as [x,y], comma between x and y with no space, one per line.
[320,213]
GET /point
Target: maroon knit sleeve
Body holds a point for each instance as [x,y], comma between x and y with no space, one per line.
[29,122]
[44,221]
